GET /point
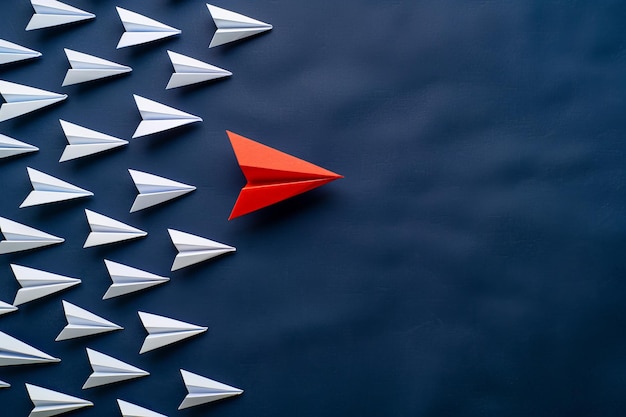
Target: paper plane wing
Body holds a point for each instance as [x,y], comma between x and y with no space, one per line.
[157,117]
[84,142]
[131,410]
[105,230]
[12,147]
[37,284]
[4,384]
[12,52]
[141,29]
[108,370]
[19,237]
[233,26]
[6,308]
[81,322]
[21,99]
[204,390]
[51,403]
[88,68]
[189,71]
[127,279]
[163,331]
[48,189]
[193,249]
[50,13]
[155,190]
[16,352]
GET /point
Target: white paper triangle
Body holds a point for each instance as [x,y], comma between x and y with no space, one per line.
[141,29]
[84,142]
[81,322]
[37,284]
[193,249]
[233,26]
[6,308]
[188,71]
[48,189]
[157,117]
[132,410]
[88,68]
[16,352]
[155,190]
[21,99]
[51,403]
[163,331]
[127,279]
[105,230]
[204,390]
[12,147]
[50,13]
[4,384]
[19,237]
[12,52]
[108,370]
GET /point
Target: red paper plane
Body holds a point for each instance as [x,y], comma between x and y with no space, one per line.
[272,175]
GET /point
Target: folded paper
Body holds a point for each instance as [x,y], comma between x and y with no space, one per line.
[51,403]
[163,331]
[85,142]
[105,230]
[193,249]
[81,323]
[203,390]
[108,370]
[88,68]
[189,71]
[127,279]
[16,352]
[157,117]
[155,190]
[12,52]
[6,308]
[19,237]
[132,410]
[141,29]
[36,284]
[233,26]
[4,384]
[48,189]
[12,147]
[50,13]
[21,99]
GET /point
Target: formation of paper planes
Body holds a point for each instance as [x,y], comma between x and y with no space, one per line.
[50,13]
[89,68]
[48,189]
[157,117]
[81,323]
[12,52]
[50,403]
[141,29]
[127,279]
[163,331]
[13,147]
[189,71]
[6,308]
[19,237]
[16,352]
[155,190]
[36,284]
[203,390]
[105,230]
[132,410]
[21,99]
[108,370]
[193,249]
[233,26]
[85,142]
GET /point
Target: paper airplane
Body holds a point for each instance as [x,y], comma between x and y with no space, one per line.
[127,279]
[193,249]
[157,117]
[37,284]
[6,308]
[141,29]
[188,71]
[131,410]
[16,352]
[155,190]
[105,230]
[88,68]
[51,403]
[12,52]
[11,147]
[163,331]
[19,237]
[204,390]
[233,26]
[48,189]
[21,99]
[81,322]
[84,142]
[108,370]
[50,13]
[272,175]
[4,384]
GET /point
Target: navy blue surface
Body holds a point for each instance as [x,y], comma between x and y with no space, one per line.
[470,263]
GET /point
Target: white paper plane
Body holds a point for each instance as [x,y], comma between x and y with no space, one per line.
[50,13]
[141,29]
[37,284]
[19,237]
[4,384]
[108,370]
[12,52]
[84,142]
[204,390]
[127,279]
[21,99]
[6,308]
[48,189]
[233,26]
[132,410]
[193,249]
[12,147]
[105,230]
[16,352]
[155,190]
[188,71]
[157,117]
[163,331]
[51,403]
[81,322]
[88,68]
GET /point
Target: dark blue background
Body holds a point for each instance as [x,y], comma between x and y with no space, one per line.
[470,263]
